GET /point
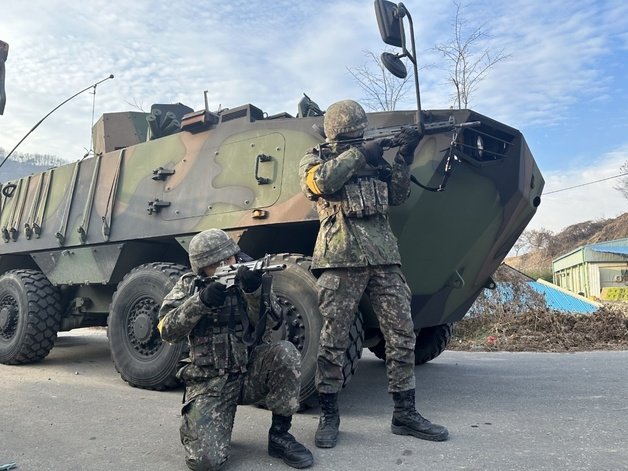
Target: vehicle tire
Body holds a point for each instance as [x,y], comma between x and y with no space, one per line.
[138,353]
[30,316]
[295,288]
[430,342]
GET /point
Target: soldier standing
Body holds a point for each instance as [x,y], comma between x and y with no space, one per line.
[357,252]
[226,366]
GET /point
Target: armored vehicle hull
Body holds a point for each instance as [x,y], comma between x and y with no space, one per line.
[101,241]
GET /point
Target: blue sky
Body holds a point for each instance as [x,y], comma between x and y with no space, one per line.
[564,84]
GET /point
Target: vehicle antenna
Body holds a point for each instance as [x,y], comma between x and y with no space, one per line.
[52,111]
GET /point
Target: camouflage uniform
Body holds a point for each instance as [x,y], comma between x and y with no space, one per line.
[359,253]
[353,187]
[223,371]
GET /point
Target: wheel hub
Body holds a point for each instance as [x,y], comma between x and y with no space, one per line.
[142,327]
[8,320]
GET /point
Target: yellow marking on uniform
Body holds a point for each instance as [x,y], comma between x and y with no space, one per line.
[160,326]
[310,182]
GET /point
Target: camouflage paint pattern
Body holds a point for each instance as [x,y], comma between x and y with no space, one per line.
[223,374]
[340,290]
[458,236]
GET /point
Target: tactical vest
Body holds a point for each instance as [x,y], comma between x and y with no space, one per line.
[364,196]
[217,340]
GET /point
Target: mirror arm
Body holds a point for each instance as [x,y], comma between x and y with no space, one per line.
[401,13]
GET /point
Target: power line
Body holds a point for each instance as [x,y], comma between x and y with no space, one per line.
[585,184]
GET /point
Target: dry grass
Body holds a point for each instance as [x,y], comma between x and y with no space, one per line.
[530,326]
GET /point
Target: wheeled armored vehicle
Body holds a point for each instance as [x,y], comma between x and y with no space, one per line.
[102,240]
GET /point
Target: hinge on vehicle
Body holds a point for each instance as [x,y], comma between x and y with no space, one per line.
[161,173]
[156,205]
[82,234]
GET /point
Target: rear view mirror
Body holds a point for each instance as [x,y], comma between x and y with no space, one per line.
[388,22]
[390,18]
[4,52]
[394,65]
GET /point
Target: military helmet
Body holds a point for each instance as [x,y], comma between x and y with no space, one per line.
[209,247]
[343,117]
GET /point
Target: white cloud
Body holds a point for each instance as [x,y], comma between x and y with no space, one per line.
[584,203]
[559,55]
[162,52]
[565,54]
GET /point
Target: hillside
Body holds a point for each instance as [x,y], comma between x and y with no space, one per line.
[542,246]
[19,165]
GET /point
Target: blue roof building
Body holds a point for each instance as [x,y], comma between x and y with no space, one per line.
[554,297]
[594,269]
[559,299]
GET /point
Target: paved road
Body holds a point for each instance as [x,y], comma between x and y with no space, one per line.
[505,411]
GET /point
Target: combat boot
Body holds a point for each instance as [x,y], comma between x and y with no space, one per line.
[282,444]
[327,431]
[407,421]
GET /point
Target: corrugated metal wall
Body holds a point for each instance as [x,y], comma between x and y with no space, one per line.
[587,270]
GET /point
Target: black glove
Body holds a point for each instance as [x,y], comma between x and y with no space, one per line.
[213,295]
[372,151]
[249,280]
[408,139]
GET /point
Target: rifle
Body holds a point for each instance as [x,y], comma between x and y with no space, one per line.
[389,137]
[390,133]
[226,274]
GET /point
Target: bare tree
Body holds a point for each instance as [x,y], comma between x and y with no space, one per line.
[382,90]
[469,62]
[137,105]
[520,244]
[538,239]
[622,186]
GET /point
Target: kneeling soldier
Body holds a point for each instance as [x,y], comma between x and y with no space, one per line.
[232,360]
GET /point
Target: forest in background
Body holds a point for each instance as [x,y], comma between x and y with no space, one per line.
[22,164]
